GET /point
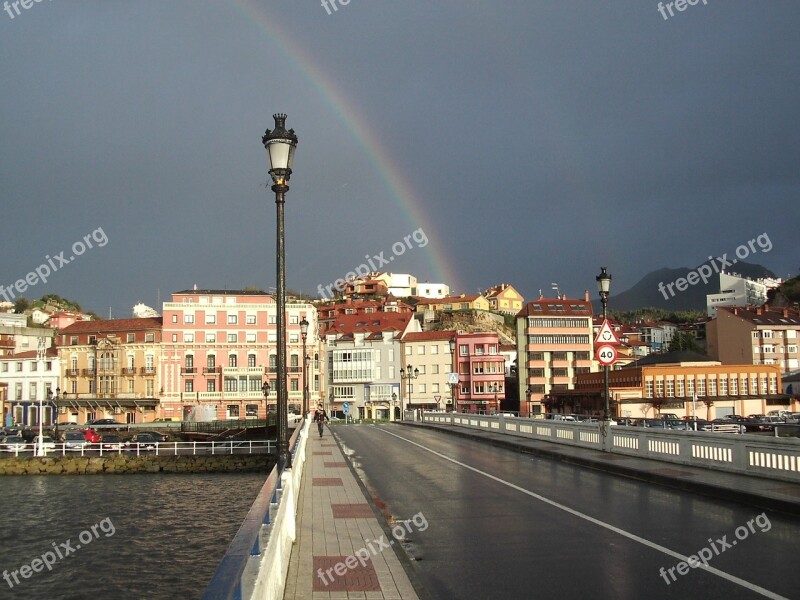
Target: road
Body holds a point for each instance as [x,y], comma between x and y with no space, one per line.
[500,524]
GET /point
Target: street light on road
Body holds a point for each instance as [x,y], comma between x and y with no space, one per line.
[604,286]
[304,333]
[280,144]
[408,375]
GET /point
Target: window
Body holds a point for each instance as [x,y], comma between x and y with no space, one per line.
[690,387]
[734,386]
[435,388]
[5,367]
[251,337]
[149,337]
[648,389]
[251,319]
[174,318]
[251,411]
[294,319]
[560,372]
[251,360]
[559,356]
[463,350]
[434,349]
[233,410]
[420,349]
[211,338]
[188,338]
[211,319]
[536,356]
[188,318]
[712,387]
[272,319]
[723,386]
[293,385]
[434,369]
[679,390]
[670,388]
[479,349]
[492,349]
[73,340]
[175,338]
[232,338]
[659,388]
[33,366]
[233,319]
[232,360]
[131,338]
[211,385]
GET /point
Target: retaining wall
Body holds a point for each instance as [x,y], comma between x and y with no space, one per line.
[122,463]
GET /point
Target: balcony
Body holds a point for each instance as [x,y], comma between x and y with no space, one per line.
[88,372]
[188,370]
[147,371]
[212,370]
[243,371]
[73,372]
[130,371]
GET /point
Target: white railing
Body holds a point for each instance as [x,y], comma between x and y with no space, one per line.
[145,448]
[770,457]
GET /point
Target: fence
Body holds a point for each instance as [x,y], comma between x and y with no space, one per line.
[156,448]
[257,561]
[770,457]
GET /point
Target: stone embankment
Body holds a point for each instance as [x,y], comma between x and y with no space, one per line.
[122,463]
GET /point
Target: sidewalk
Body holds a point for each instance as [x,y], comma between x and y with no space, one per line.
[765,493]
[341,548]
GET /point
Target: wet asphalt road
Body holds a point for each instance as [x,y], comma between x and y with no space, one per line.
[508,525]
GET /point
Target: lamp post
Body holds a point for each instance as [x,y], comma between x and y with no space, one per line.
[53,400]
[265,391]
[303,334]
[408,375]
[603,286]
[453,407]
[40,356]
[280,145]
[394,406]
[496,407]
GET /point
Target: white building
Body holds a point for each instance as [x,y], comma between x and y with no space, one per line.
[432,290]
[29,380]
[400,285]
[739,291]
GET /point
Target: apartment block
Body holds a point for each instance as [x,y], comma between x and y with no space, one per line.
[428,356]
[755,335]
[554,346]
[481,373]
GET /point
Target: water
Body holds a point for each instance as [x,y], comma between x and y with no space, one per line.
[155,536]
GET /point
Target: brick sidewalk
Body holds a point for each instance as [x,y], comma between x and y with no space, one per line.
[335,522]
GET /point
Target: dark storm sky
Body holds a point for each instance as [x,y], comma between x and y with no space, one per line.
[536,140]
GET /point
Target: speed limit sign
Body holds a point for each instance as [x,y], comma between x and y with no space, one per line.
[606,355]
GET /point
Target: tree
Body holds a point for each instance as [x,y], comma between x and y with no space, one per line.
[21,305]
[684,341]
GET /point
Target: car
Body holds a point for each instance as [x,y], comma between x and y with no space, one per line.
[681,425]
[48,445]
[112,442]
[75,440]
[569,418]
[727,426]
[653,423]
[669,417]
[106,423]
[143,441]
[90,435]
[160,437]
[13,443]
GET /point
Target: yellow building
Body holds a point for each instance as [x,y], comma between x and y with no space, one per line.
[504,298]
[110,370]
[453,303]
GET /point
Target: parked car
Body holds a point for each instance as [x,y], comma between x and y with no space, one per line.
[13,443]
[161,437]
[569,418]
[75,440]
[112,442]
[727,426]
[106,423]
[48,445]
[143,441]
[90,435]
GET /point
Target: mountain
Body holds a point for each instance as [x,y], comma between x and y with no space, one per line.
[654,288]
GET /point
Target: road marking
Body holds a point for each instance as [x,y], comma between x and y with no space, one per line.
[632,536]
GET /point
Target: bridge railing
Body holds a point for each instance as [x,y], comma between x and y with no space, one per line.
[150,449]
[257,561]
[770,457]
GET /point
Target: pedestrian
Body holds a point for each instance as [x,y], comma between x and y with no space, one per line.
[320,416]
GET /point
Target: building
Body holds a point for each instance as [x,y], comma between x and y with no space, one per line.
[428,356]
[554,345]
[432,290]
[452,303]
[658,335]
[739,291]
[16,336]
[755,336]
[329,312]
[109,370]
[30,379]
[220,347]
[399,285]
[363,355]
[63,319]
[481,373]
[670,383]
[505,299]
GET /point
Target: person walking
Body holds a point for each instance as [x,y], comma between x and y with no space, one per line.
[320,416]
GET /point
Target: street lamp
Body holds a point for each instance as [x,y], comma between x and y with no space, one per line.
[453,370]
[53,400]
[408,375]
[40,356]
[265,391]
[303,334]
[394,406]
[603,286]
[280,145]
[496,407]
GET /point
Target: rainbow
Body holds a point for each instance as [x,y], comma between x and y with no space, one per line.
[442,269]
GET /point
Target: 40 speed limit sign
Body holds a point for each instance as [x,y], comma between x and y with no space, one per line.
[606,355]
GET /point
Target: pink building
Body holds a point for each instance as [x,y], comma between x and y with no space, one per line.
[220,346]
[481,373]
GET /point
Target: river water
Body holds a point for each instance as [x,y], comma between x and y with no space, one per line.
[155,536]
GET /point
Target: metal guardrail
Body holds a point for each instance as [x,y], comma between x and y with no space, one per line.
[763,456]
[155,449]
[239,572]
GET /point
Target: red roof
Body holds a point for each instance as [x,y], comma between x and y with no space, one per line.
[370,323]
[113,325]
[52,351]
[427,336]
[449,299]
[556,307]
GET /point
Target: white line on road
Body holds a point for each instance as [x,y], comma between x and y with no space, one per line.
[732,578]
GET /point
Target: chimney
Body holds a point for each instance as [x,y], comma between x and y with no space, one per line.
[586,295]
[759,310]
[785,312]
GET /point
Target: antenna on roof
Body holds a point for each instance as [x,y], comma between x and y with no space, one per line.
[556,288]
